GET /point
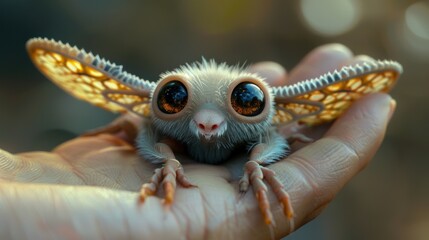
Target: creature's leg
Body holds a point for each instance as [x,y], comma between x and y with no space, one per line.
[254,174]
[167,176]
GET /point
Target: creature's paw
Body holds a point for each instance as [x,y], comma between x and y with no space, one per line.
[167,176]
[254,175]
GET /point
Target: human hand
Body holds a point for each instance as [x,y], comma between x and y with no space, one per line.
[89,187]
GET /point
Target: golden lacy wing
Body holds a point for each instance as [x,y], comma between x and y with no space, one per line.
[90,77]
[323,99]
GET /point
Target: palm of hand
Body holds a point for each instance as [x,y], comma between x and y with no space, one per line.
[115,173]
[90,184]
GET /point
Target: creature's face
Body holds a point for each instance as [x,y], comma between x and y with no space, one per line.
[212,103]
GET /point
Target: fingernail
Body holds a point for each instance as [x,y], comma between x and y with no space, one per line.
[335,50]
[337,47]
[392,108]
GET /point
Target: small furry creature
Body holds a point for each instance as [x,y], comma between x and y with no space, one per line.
[212,109]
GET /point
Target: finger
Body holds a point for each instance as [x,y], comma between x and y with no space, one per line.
[319,61]
[273,73]
[130,117]
[314,174]
[363,127]
[111,129]
[124,127]
[78,148]
[319,131]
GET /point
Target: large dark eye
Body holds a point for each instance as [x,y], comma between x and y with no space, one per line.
[172,97]
[247,99]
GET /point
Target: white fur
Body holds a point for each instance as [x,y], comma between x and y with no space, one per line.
[209,82]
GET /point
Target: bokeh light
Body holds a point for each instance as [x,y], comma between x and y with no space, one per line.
[413,31]
[417,19]
[330,17]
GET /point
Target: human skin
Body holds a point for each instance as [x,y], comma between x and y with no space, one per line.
[88,187]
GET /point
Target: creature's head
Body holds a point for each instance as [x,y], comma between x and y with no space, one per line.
[211,103]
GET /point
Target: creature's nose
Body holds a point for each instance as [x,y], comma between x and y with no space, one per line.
[207,126]
[208,121]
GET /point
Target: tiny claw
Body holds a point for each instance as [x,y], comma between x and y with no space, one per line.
[183,180]
[243,186]
[264,206]
[142,198]
[169,193]
[256,174]
[244,183]
[287,208]
[167,176]
[279,191]
[148,189]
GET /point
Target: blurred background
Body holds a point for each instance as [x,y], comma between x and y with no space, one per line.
[389,200]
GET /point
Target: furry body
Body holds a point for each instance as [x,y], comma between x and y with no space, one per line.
[209,83]
[212,152]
